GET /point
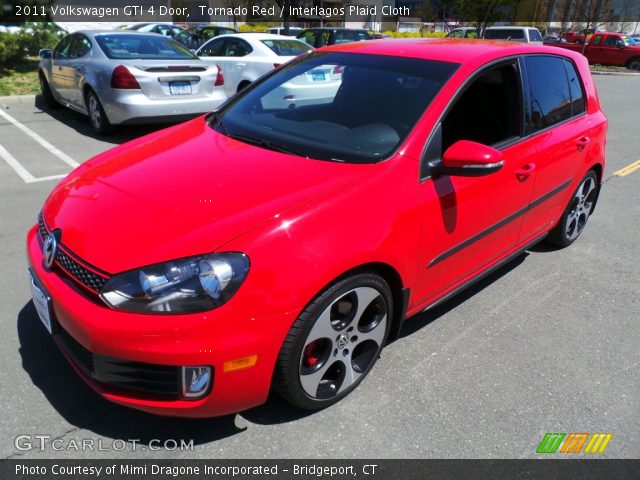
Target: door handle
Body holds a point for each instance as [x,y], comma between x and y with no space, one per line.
[582,142]
[525,171]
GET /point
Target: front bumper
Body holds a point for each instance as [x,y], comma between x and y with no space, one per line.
[210,338]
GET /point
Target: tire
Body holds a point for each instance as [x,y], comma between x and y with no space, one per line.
[634,65]
[335,342]
[242,86]
[575,216]
[47,94]
[97,118]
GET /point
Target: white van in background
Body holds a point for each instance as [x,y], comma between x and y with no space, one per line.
[514,33]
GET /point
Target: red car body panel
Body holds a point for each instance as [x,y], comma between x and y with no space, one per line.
[303,223]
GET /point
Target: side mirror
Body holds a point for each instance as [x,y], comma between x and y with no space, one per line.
[620,44]
[45,53]
[469,159]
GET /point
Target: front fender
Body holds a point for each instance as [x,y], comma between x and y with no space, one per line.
[295,255]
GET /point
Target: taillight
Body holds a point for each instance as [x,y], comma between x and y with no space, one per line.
[123,78]
[338,69]
[219,77]
[277,65]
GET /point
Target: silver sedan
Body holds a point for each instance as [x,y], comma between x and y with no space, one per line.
[118,77]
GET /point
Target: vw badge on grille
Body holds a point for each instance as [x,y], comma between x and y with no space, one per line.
[50,249]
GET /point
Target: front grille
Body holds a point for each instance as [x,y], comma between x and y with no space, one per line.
[137,378]
[78,272]
[72,267]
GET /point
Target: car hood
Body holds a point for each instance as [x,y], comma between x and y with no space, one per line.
[182,191]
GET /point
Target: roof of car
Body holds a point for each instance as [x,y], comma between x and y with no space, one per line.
[91,33]
[255,36]
[336,28]
[510,27]
[454,50]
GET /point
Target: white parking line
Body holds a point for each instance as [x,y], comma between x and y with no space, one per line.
[22,172]
[13,163]
[58,153]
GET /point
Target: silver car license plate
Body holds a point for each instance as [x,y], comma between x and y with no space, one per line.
[41,301]
[180,88]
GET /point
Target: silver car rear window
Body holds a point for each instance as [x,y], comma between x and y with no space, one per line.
[142,47]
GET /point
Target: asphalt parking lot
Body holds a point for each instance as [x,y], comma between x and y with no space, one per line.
[549,343]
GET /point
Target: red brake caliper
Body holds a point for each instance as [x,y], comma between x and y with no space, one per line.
[310,356]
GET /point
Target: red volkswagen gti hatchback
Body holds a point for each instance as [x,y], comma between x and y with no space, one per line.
[279,242]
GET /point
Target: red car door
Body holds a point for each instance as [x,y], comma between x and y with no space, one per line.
[556,119]
[470,222]
[594,51]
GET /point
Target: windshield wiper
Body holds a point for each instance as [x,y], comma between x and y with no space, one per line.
[266,144]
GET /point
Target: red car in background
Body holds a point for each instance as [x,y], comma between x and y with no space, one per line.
[190,271]
[577,37]
[617,49]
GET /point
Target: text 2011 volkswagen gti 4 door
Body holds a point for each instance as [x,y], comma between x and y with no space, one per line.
[275,245]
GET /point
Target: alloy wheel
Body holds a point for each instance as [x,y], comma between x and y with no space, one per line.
[343,343]
[581,208]
[94,112]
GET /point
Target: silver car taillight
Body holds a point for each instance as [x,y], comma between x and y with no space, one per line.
[219,77]
[123,78]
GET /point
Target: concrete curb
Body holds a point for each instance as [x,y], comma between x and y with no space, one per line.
[19,98]
[619,74]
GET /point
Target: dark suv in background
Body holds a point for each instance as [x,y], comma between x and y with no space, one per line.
[319,37]
[195,37]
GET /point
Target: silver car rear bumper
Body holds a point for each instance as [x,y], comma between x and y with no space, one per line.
[133,106]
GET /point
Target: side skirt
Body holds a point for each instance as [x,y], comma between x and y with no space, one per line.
[476,279]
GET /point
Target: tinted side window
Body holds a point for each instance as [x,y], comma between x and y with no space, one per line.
[549,96]
[214,48]
[62,49]
[237,48]
[497,94]
[534,35]
[611,41]
[578,104]
[79,47]
[504,34]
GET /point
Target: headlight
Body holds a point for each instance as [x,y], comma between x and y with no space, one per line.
[189,285]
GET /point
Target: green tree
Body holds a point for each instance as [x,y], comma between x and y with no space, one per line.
[484,12]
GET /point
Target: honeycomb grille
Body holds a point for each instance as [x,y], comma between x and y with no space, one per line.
[73,268]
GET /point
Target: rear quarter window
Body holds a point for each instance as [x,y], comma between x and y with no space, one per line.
[578,103]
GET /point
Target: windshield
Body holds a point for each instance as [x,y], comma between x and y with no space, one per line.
[631,41]
[142,47]
[287,48]
[336,106]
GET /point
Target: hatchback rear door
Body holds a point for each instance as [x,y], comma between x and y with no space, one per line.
[556,119]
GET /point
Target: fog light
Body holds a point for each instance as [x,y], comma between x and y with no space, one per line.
[240,363]
[196,381]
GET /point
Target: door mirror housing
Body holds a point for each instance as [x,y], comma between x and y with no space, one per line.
[620,44]
[469,159]
[45,53]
